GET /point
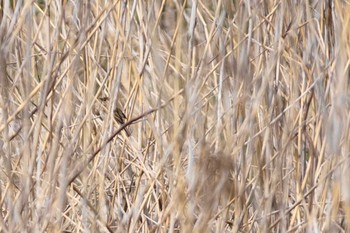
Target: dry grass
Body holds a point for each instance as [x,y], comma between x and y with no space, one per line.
[239,112]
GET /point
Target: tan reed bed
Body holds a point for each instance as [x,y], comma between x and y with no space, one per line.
[238,115]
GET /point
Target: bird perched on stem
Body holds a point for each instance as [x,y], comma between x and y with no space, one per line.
[118,115]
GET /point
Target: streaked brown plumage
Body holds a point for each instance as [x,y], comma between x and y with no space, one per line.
[120,117]
[118,114]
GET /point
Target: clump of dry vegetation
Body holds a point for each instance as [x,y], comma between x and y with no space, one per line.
[238,114]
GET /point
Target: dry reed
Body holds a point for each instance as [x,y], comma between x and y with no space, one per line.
[238,112]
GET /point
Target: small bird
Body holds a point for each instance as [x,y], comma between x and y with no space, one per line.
[118,114]
[120,117]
